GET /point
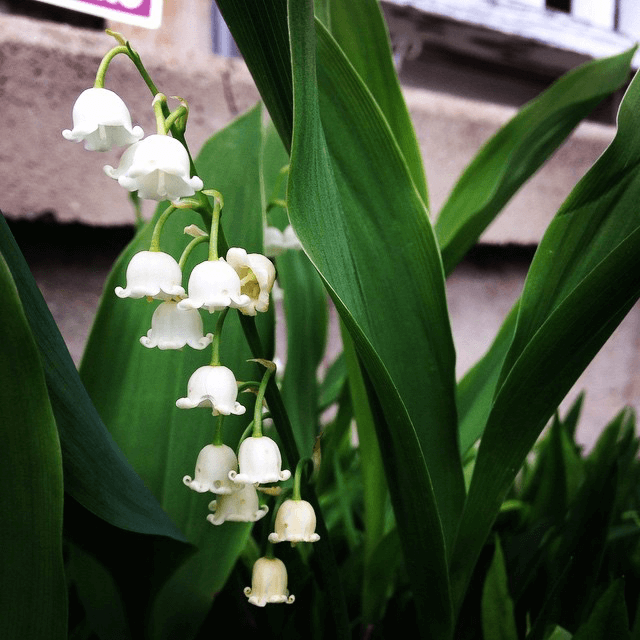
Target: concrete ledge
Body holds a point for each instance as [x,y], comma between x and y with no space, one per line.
[44,67]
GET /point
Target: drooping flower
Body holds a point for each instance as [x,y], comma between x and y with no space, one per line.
[152,274]
[173,328]
[260,462]
[214,285]
[277,242]
[212,470]
[215,387]
[257,275]
[268,583]
[102,120]
[239,506]
[295,522]
[157,168]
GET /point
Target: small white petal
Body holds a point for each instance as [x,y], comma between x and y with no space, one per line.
[173,328]
[158,168]
[268,583]
[152,274]
[101,119]
[237,506]
[260,462]
[295,522]
[214,285]
[257,275]
[215,387]
[212,470]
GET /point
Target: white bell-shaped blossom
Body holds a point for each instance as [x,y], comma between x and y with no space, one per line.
[173,328]
[260,462]
[214,285]
[152,274]
[239,506]
[295,522]
[277,242]
[257,275]
[212,470]
[157,168]
[102,120]
[268,583]
[215,387]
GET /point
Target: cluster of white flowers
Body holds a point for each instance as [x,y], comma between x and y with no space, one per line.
[158,168]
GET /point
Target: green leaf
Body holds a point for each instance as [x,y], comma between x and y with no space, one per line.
[351,229]
[33,591]
[608,620]
[96,472]
[558,633]
[361,31]
[135,389]
[582,282]
[498,622]
[518,150]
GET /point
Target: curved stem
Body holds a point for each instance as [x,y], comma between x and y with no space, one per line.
[217,436]
[257,411]
[215,345]
[157,230]
[159,107]
[218,203]
[106,61]
[173,116]
[302,463]
[189,248]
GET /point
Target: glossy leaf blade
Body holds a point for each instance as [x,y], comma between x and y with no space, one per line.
[348,241]
[518,150]
[96,472]
[33,591]
[359,28]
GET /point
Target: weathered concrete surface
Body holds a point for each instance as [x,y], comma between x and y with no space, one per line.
[44,67]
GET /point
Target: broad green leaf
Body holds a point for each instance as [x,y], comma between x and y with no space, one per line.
[305,307]
[359,28]
[96,472]
[582,282]
[374,593]
[543,374]
[518,150]
[350,229]
[558,633]
[498,622]
[135,389]
[608,620]
[33,590]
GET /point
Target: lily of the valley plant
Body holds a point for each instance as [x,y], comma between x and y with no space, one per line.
[147,497]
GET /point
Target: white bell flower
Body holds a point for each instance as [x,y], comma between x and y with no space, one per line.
[277,242]
[260,462]
[295,522]
[152,274]
[239,506]
[257,275]
[215,387]
[102,120]
[214,285]
[157,168]
[268,583]
[212,470]
[172,328]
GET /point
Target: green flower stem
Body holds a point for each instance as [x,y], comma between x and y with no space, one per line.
[106,61]
[173,116]
[159,107]
[215,345]
[157,230]
[189,248]
[249,384]
[217,436]
[257,412]
[218,204]
[298,477]
[276,203]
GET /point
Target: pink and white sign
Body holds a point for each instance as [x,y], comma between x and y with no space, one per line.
[142,13]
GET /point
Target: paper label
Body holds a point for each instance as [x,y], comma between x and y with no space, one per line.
[142,13]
